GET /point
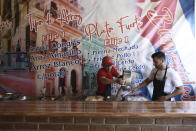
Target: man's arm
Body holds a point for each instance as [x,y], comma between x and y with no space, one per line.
[106,81]
[179,90]
[143,84]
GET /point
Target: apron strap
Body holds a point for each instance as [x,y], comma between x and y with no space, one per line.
[155,74]
[164,78]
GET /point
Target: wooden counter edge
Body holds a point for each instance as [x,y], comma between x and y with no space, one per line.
[174,115]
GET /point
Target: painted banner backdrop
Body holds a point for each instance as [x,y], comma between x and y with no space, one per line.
[55,47]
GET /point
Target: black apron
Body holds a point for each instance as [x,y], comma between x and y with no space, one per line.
[159,87]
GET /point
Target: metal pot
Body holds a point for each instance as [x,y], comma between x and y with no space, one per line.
[125,87]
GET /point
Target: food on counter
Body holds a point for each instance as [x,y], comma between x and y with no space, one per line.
[137,98]
[94,98]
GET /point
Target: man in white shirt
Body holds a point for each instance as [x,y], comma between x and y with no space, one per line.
[166,81]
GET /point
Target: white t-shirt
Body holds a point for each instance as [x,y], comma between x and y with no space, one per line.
[172,79]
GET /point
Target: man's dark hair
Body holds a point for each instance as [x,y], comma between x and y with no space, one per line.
[159,55]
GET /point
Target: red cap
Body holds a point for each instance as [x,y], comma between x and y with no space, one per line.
[107,61]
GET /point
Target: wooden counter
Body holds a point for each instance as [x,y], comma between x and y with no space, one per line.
[79,108]
[114,116]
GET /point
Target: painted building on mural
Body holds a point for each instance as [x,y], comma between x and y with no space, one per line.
[54,34]
[90,63]
[24,35]
[14,67]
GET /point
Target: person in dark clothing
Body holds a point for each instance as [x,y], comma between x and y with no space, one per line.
[61,87]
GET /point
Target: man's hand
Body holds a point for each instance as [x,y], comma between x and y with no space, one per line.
[163,98]
[133,90]
[116,87]
[120,81]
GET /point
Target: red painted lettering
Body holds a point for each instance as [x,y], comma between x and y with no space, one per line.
[34,23]
[91,29]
